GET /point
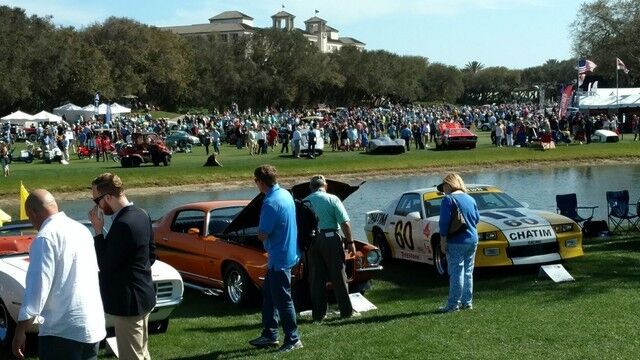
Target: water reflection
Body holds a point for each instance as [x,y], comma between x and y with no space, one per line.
[536,187]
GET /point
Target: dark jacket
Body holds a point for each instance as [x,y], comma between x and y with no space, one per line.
[125,257]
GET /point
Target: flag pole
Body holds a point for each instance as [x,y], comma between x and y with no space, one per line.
[618,104]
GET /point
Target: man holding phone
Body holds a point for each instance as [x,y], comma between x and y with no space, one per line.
[125,256]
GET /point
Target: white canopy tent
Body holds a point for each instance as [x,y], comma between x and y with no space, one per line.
[18,117]
[72,112]
[47,116]
[605,98]
[102,109]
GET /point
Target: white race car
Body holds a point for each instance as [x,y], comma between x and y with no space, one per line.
[15,240]
[509,233]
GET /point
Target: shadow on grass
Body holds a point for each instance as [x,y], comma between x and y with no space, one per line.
[195,304]
[376,319]
[231,354]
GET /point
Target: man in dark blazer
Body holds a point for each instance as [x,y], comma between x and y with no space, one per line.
[125,256]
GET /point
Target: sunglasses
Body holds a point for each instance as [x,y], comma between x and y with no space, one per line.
[97,200]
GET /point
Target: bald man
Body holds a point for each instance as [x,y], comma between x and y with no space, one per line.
[62,295]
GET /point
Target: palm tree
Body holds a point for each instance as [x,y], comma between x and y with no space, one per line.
[473,67]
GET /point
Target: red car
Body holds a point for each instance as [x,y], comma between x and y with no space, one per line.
[453,136]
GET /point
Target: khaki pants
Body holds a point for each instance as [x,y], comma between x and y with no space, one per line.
[327,262]
[132,336]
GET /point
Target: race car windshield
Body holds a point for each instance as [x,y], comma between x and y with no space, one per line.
[485,201]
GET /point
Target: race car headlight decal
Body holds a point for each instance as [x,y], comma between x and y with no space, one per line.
[491,252]
[560,228]
[491,235]
[373,257]
[571,243]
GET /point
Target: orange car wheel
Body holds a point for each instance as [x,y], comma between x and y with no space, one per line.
[238,286]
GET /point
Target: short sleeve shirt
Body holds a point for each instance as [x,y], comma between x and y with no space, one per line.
[329,210]
[278,221]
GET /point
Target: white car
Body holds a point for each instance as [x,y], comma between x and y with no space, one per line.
[304,142]
[509,233]
[15,240]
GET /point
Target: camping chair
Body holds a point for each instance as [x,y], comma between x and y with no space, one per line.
[618,211]
[567,205]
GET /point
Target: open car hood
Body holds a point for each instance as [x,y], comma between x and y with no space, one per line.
[250,216]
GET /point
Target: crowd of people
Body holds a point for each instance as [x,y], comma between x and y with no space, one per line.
[341,129]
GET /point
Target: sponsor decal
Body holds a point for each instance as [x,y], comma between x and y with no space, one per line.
[427,231]
[530,235]
[378,218]
[409,256]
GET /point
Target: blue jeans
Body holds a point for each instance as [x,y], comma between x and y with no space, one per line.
[278,305]
[460,259]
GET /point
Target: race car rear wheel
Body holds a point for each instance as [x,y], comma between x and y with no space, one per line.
[7,326]
[380,241]
[439,259]
[238,287]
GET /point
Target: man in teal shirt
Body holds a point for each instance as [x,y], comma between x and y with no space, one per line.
[326,255]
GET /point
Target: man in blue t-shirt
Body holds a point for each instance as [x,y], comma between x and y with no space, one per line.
[278,232]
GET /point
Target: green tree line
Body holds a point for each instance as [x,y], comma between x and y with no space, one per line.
[43,66]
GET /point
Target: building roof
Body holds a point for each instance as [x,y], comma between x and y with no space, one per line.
[329,28]
[207,28]
[316,19]
[351,41]
[283,14]
[231,15]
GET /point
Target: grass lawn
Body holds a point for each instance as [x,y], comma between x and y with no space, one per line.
[516,315]
[239,165]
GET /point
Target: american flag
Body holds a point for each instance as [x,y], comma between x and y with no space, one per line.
[620,66]
[585,65]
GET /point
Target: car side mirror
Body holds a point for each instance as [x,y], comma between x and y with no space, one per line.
[193,231]
[414,215]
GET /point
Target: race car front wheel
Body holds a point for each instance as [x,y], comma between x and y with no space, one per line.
[380,241]
[7,326]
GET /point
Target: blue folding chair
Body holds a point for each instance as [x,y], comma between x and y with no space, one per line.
[618,212]
[567,205]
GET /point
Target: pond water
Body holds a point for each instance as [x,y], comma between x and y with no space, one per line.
[535,187]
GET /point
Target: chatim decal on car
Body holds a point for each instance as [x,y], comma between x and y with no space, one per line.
[377,218]
[520,226]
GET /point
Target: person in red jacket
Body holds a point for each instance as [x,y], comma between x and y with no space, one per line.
[98,146]
[106,146]
[272,136]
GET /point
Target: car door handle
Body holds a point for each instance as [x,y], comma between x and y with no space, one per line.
[392,222]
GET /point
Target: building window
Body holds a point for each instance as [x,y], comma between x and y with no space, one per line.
[234,36]
[223,37]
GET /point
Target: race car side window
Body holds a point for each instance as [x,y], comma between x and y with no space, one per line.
[409,203]
[188,219]
[432,207]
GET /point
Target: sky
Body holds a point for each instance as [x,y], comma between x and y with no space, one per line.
[512,33]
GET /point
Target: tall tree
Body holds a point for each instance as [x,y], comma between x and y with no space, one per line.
[473,67]
[606,29]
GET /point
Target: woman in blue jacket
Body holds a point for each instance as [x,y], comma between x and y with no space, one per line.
[460,246]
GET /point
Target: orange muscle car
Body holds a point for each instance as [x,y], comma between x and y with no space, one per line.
[215,248]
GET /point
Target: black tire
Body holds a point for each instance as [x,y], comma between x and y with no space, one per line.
[7,327]
[28,160]
[238,288]
[380,241]
[125,162]
[182,143]
[33,137]
[485,128]
[439,259]
[135,162]
[159,327]
[166,160]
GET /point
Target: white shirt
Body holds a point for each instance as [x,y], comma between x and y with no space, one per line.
[296,135]
[62,293]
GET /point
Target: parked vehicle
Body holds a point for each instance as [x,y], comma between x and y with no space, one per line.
[181,139]
[214,246]
[509,232]
[15,240]
[147,147]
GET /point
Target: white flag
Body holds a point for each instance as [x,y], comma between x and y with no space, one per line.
[620,66]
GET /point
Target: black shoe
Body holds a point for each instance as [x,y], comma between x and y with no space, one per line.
[263,341]
[289,347]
